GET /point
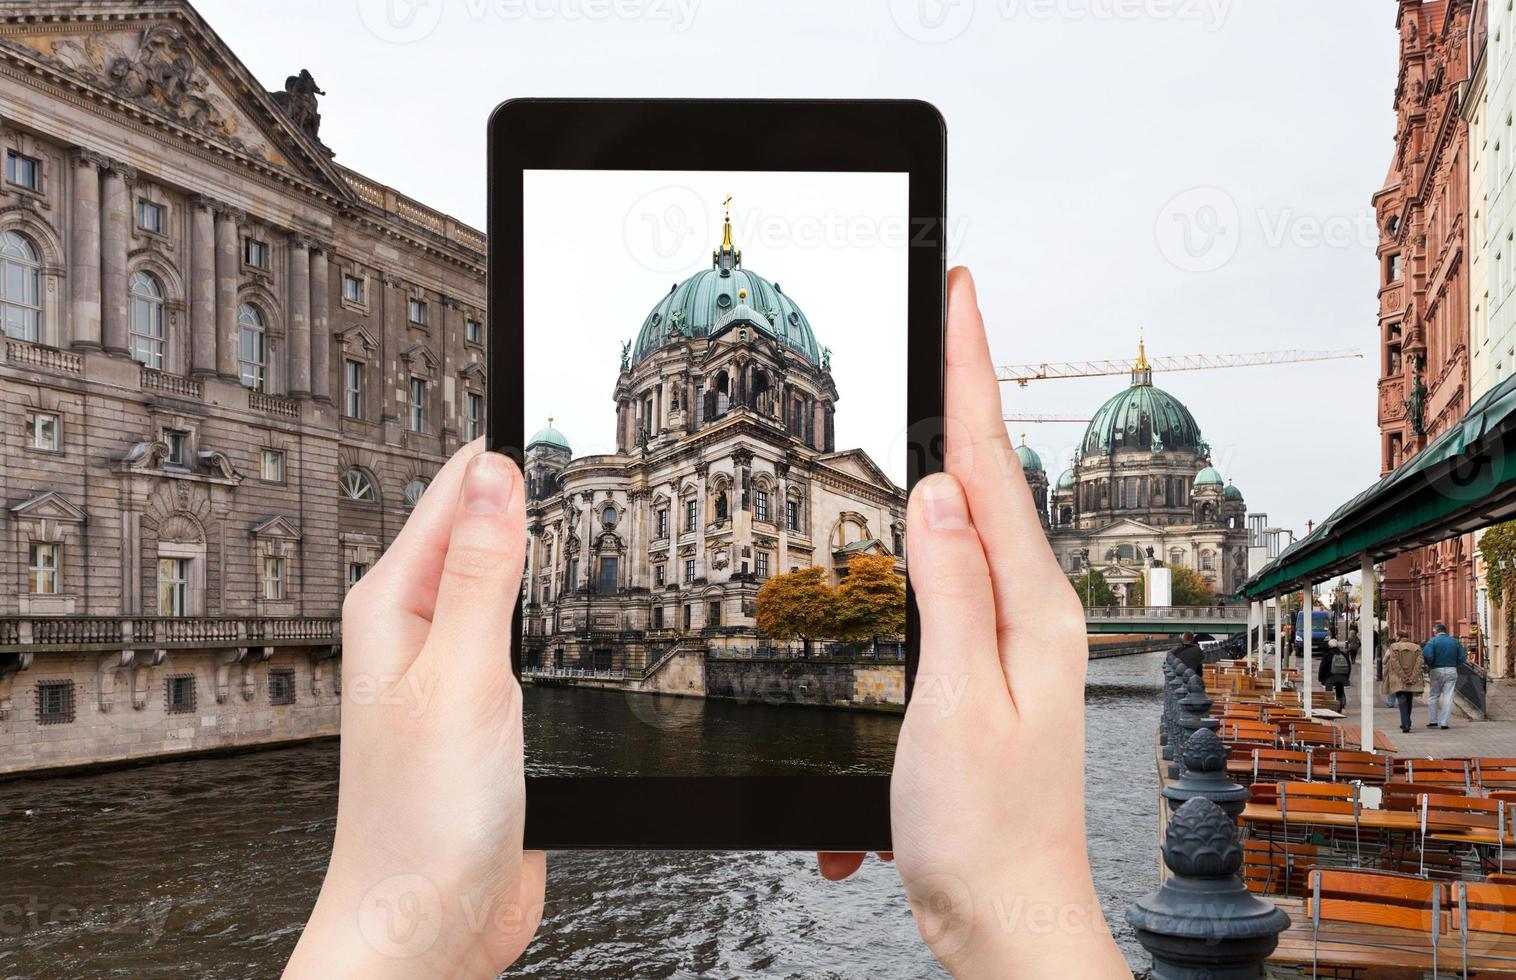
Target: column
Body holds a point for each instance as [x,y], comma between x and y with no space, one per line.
[533,535]
[228,268]
[586,540]
[321,326]
[782,517]
[1248,647]
[84,250]
[701,517]
[115,234]
[818,413]
[1307,674]
[202,287]
[297,307]
[1272,606]
[675,573]
[1368,691]
[392,314]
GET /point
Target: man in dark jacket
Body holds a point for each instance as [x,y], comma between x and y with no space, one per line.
[1442,654]
[1189,652]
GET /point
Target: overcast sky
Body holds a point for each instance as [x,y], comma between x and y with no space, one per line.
[1202,168]
[603,248]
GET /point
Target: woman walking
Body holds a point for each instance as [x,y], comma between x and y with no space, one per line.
[1404,675]
[1335,671]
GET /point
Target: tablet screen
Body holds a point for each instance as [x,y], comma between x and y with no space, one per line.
[715,462]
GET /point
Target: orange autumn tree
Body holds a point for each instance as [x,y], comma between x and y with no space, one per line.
[871,599]
[798,605]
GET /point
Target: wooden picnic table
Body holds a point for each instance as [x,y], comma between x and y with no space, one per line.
[1339,945]
[1398,820]
[1354,736]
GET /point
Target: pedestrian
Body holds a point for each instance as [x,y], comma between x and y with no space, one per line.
[1404,675]
[1335,671]
[1354,645]
[1442,654]
[1189,652]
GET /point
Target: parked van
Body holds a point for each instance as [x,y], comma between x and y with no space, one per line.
[1321,631]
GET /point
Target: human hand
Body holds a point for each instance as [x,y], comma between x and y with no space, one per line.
[987,797]
[427,876]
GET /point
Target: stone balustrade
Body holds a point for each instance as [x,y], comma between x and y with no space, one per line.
[77,633]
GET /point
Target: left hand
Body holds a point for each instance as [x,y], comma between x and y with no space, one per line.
[427,875]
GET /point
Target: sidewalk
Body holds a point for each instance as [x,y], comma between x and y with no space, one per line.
[1463,738]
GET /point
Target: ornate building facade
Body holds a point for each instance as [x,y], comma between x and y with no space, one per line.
[1142,492]
[725,473]
[229,368]
[1424,296]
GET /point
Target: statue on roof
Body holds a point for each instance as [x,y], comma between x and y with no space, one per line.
[298,100]
[626,354]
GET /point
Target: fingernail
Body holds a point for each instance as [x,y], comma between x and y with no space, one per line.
[943,503]
[487,484]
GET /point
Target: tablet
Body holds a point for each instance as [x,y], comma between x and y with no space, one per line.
[716,350]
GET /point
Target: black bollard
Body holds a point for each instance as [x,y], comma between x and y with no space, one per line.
[1194,709]
[1203,923]
[1205,776]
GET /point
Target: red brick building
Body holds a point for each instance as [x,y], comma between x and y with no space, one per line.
[1423,293]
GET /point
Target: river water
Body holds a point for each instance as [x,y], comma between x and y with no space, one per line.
[208,868]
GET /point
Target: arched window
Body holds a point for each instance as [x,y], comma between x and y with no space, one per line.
[252,347]
[356,485]
[1207,561]
[608,516]
[413,491]
[146,326]
[20,287]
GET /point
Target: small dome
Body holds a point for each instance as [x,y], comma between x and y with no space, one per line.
[1231,493]
[1142,418]
[549,437]
[1066,479]
[1208,477]
[1030,461]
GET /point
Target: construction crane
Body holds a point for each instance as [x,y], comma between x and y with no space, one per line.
[1023,374]
[1045,419]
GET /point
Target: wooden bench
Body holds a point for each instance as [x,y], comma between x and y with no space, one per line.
[1406,913]
[1369,767]
[1484,916]
[1495,773]
[1446,772]
[1276,867]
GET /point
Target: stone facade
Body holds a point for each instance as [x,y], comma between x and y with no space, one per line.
[230,366]
[724,474]
[1423,217]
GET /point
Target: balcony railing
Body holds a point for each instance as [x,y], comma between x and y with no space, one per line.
[1233,613]
[580,673]
[170,383]
[21,352]
[273,404]
[73,633]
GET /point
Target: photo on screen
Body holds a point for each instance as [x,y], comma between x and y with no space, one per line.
[714,388]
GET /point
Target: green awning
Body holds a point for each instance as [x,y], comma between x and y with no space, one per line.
[1463,481]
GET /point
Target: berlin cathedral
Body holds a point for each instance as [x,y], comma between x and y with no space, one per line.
[1142,492]
[725,473]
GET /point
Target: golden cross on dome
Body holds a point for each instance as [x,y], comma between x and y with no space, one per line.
[726,224]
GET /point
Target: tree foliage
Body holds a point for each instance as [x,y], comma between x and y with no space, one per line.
[870,600]
[1189,588]
[797,605]
[1093,589]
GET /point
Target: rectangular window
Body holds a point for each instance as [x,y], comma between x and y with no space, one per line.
[255,253]
[761,563]
[689,614]
[43,561]
[663,522]
[55,702]
[689,570]
[352,389]
[473,331]
[659,575]
[271,466]
[23,171]
[151,217]
[657,617]
[760,505]
[173,586]
[355,570]
[352,289]
[418,405]
[792,514]
[473,417]
[1396,267]
[179,694]
[690,515]
[281,686]
[178,446]
[273,578]
[416,311]
[573,575]
[43,432]
[608,569]
[713,617]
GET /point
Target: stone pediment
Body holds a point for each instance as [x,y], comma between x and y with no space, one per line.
[172,68]
[357,339]
[50,506]
[1128,527]
[856,463]
[277,526]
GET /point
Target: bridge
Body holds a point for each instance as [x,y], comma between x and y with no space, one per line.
[1167,619]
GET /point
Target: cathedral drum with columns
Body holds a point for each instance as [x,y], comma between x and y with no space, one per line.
[725,474]
[1142,492]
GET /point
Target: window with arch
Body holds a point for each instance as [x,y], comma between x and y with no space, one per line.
[20,287]
[608,516]
[145,325]
[252,347]
[1207,561]
[413,492]
[356,485]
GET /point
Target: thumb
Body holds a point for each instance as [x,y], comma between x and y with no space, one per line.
[481,573]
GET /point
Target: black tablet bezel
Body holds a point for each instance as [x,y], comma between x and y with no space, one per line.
[844,813]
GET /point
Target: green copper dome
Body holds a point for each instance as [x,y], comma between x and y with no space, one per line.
[549,437]
[1208,477]
[1066,479]
[1030,461]
[715,298]
[1231,493]
[1142,418]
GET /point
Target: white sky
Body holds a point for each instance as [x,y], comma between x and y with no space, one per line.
[1073,125]
[603,248]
